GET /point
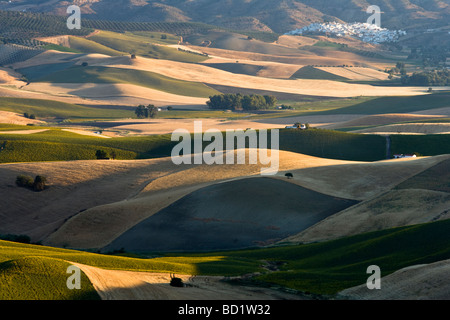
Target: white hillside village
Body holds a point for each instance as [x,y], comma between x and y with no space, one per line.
[366,32]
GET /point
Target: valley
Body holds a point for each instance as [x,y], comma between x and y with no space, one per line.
[114,204]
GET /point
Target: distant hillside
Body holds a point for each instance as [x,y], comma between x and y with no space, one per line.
[260,15]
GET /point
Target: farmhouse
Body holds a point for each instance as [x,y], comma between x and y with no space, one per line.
[300,126]
[399,156]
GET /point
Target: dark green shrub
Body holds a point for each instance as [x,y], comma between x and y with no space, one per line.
[39,183]
[101,154]
[24,181]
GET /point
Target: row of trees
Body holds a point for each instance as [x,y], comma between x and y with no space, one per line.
[399,69]
[241,102]
[428,78]
[145,112]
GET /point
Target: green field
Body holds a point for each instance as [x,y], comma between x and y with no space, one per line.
[55,109]
[426,145]
[142,44]
[88,46]
[57,145]
[80,74]
[319,268]
[41,278]
[334,144]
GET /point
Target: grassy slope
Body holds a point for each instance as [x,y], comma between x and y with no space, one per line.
[323,268]
[144,45]
[427,145]
[56,145]
[80,74]
[55,109]
[42,278]
[333,144]
[88,46]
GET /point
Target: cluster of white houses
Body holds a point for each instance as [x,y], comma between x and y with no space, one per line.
[366,32]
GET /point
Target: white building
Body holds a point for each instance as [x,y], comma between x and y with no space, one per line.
[366,32]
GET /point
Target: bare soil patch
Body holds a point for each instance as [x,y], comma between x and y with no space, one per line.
[129,285]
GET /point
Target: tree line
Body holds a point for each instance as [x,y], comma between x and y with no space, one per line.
[428,78]
[238,101]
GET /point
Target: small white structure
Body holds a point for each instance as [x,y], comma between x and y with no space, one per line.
[399,156]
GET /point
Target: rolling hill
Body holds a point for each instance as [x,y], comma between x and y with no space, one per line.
[337,202]
[303,268]
[239,14]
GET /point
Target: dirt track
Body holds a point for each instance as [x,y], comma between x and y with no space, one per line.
[129,285]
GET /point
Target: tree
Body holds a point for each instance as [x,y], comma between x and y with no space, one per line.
[101,154]
[39,183]
[152,111]
[113,155]
[145,112]
[271,101]
[240,102]
[141,112]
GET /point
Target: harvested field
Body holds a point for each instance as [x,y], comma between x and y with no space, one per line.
[14,118]
[362,180]
[129,285]
[118,94]
[164,126]
[230,215]
[10,77]
[393,209]
[418,282]
[356,73]
[98,226]
[73,186]
[434,178]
